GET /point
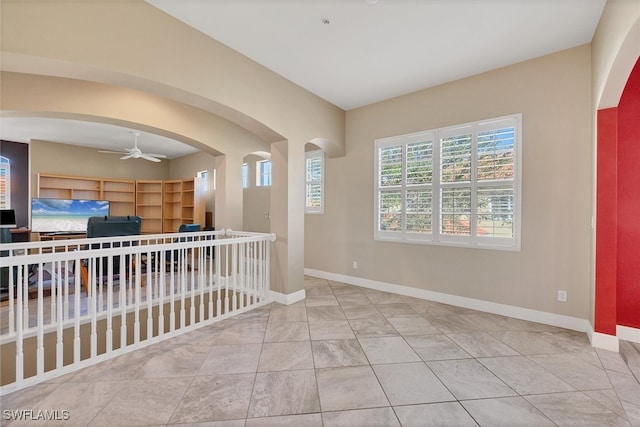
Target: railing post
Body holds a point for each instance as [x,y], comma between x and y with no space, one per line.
[172,275]
[19,329]
[149,286]
[12,312]
[59,328]
[160,267]
[109,333]
[76,316]
[124,285]
[191,265]
[137,281]
[40,326]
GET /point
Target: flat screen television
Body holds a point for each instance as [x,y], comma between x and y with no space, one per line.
[65,215]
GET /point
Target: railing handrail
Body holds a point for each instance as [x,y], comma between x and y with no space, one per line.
[20,253]
[48,244]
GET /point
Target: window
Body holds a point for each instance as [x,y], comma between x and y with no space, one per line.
[457,186]
[314,200]
[5,183]
[204,175]
[245,175]
[263,173]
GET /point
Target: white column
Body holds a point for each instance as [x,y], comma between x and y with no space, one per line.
[287,216]
[228,206]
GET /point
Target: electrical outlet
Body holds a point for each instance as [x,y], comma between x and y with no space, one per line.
[562,296]
[355,265]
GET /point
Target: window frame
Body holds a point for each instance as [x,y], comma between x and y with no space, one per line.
[310,155]
[263,179]
[245,175]
[437,236]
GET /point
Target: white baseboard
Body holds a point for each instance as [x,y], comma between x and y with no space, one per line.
[287,299]
[628,334]
[559,320]
[604,341]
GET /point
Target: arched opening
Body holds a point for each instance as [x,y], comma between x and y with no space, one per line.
[617,286]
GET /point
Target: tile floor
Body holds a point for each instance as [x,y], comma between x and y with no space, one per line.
[349,356]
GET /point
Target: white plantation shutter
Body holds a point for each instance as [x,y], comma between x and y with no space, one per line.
[455,211]
[418,211]
[458,185]
[455,158]
[419,177]
[495,211]
[390,212]
[496,180]
[419,163]
[496,154]
[314,200]
[391,160]
[404,194]
[455,181]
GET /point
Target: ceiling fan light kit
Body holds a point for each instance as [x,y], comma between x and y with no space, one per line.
[136,153]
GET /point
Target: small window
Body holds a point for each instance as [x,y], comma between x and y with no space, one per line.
[245,175]
[5,183]
[204,175]
[263,170]
[314,200]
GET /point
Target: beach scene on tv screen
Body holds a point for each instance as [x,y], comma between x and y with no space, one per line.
[59,215]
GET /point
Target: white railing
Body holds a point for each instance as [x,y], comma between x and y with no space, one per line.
[73,303]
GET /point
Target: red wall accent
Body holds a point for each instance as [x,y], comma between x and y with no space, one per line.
[607,222]
[628,189]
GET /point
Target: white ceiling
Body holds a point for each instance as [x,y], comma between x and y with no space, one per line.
[89,134]
[368,51]
[373,50]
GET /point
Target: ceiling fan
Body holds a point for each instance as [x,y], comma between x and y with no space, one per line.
[136,153]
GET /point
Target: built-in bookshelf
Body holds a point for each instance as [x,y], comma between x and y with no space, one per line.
[149,205]
[183,203]
[172,206]
[68,187]
[121,193]
[163,205]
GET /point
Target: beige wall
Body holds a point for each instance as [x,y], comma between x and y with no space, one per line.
[256,201]
[553,95]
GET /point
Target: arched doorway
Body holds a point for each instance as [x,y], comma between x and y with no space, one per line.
[617,290]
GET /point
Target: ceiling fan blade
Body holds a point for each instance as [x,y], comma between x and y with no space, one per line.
[128,156]
[147,157]
[112,152]
[160,156]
